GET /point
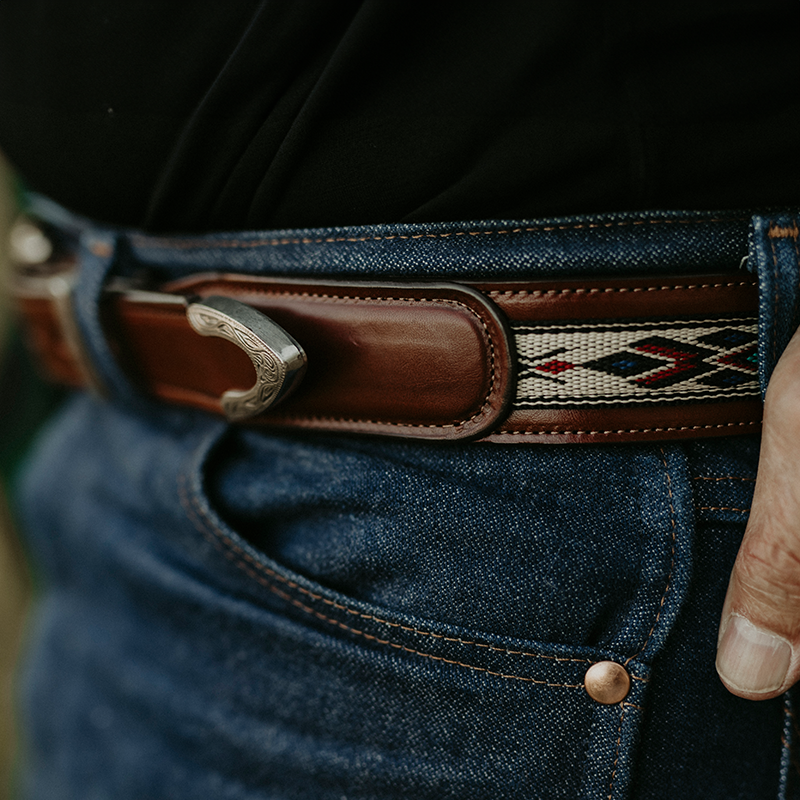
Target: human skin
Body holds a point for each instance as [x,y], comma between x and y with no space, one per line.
[758,655]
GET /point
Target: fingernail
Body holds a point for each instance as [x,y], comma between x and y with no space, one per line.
[751,659]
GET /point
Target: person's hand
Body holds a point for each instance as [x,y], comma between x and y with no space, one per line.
[759,645]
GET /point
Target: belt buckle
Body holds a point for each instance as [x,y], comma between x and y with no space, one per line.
[278,358]
[41,275]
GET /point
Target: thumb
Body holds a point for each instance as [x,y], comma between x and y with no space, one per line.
[759,644]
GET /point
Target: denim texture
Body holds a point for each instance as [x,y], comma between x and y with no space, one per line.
[774,258]
[242,614]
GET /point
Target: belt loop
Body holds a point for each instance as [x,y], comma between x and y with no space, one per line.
[775,259]
[97,255]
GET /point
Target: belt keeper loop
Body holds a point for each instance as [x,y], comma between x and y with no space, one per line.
[62,296]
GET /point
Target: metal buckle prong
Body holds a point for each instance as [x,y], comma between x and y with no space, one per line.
[278,358]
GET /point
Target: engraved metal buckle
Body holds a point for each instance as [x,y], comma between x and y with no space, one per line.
[278,358]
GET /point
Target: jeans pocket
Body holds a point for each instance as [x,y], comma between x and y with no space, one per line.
[240,614]
[376,659]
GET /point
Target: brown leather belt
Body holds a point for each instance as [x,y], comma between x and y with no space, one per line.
[539,361]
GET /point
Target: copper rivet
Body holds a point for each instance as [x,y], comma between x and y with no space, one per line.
[607,682]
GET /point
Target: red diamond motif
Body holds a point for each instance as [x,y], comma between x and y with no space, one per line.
[554,367]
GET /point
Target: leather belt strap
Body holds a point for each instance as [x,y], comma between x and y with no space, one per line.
[540,361]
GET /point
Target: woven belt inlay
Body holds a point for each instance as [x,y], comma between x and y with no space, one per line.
[606,363]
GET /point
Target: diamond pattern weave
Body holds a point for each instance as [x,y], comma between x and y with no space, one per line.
[608,363]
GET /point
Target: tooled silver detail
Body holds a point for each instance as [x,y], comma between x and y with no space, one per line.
[278,359]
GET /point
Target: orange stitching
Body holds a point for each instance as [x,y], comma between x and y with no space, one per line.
[206,526]
[631,705]
[616,757]
[496,293]
[723,508]
[724,478]
[672,555]
[378,640]
[778,232]
[642,680]
[631,430]
[152,243]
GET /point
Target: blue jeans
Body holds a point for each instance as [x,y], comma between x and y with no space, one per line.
[232,613]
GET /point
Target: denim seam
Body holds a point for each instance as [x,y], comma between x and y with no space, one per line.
[792,759]
[797,261]
[624,706]
[774,300]
[150,243]
[790,750]
[616,755]
[672,556]
[486,403]
[793,720]
[788,747]
[786,744]
[235,554]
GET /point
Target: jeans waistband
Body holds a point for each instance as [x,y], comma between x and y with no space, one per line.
[666,242]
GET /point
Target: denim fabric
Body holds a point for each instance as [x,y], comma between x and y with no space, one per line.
[774,258]
[240,614]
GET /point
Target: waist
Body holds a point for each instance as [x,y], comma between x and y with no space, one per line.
[593,329]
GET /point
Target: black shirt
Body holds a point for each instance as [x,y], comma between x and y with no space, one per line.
[196,115]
